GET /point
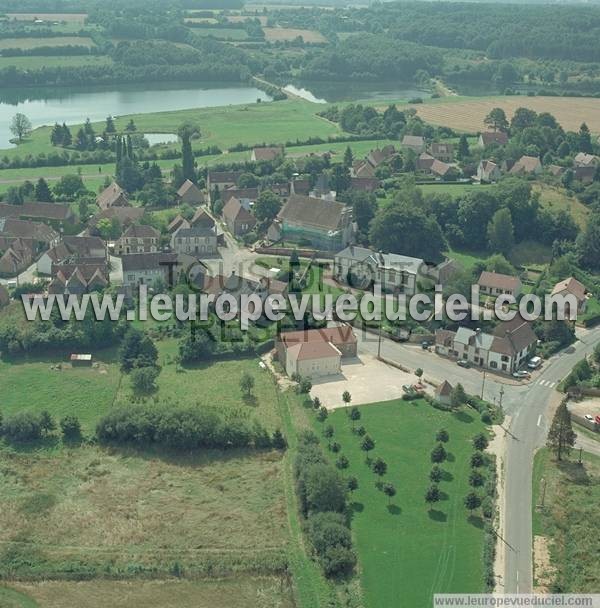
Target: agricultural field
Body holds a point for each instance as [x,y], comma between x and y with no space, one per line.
[467,114]
[452,189]
[404,549]
[35,61]
[222,33]
[34,43]
[561,525]
[243,18]
[276,34]
[69,17]
[241,591]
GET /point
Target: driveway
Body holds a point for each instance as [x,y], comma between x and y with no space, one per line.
[366,379]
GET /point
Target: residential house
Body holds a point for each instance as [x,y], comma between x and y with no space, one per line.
[203,219]
[16,255]
[121,216]
[414,142]
[176,223]
[78,279]
[572,287]
[268,154]
[586,174]
[582,159]
[112,196]
[492,138]
[527,165]
[197,240]
[138,238]
[55,214]
[379,156]
[424,162]
[324,224]
[246,196]
[442,151]
[281,189]
[190,194]
[238,219]
[41,235]
[440,169]
[506,350]
[362,168]
[556,170]
[149,268]
[364,184]
[488,172]
[364,268]
[72,248]
[300,186]
[315,353]
[221,180]
[495,284]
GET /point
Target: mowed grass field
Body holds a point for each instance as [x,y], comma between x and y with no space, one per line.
[467,114]
[558,200]
[69,17]
[567,520]
[34,43]
[241,591]
[406,552]
[274,34]
[221,33]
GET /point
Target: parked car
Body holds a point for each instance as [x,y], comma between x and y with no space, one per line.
[521,374]
[425,344]
[463,363]
[534,362]
[589,417]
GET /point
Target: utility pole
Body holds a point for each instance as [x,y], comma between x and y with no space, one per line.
[483,384]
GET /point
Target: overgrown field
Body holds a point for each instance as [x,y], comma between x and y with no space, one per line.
[571,499]
[406,550]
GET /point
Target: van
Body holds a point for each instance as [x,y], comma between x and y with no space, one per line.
[534,362]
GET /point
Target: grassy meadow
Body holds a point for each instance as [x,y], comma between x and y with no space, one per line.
[570,507]
[35,43]
[406,550]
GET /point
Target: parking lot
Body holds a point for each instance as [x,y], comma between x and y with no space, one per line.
[366,379]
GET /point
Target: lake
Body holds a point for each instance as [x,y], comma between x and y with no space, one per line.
[74,105]
[332,92]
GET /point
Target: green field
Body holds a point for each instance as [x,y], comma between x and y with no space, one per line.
[452,189]
[224,33]
[34,43]
[406,551]
[571,499]
[36,62]
[241,591]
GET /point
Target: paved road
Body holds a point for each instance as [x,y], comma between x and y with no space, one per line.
[530,407]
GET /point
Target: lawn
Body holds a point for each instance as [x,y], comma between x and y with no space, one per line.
[275,34]
[453,189]
[241,591]
[68,511]
[404,550]
[34,43]
[557,199]
[214,384]
[85,392]
[221,33]
[571,504]
[68,17]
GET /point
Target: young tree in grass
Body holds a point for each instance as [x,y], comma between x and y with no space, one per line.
[43,194]
[346,398]
[561,437]
[438,454]
[476,479]
[143,379]
[361,431]
[186,132]
[47,423]
[496,120]
[354,416]
[70,428]
[348,157]
[379,467]
[477,460]
[322,414]
[435,474]
[390,491]
[342,462]
[472,501]
[443,436]
[335,447]
[352,484]
[367,444]
[458,396]
[480,442]
[246,384]
[432,495]
[316,403]
[328,432]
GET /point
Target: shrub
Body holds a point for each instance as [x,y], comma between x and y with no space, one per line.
[70,428]
[22,427]
[143,379]
[438,454]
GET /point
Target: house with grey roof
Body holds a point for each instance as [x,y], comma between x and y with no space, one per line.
[198,240]
[414,142]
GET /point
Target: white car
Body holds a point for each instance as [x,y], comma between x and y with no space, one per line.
[534,362]
[589,417]
[521,374]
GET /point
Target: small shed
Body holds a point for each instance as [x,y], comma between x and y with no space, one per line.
[81,360]
[443,392]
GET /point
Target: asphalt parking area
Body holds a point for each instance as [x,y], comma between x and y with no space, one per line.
[366,379]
